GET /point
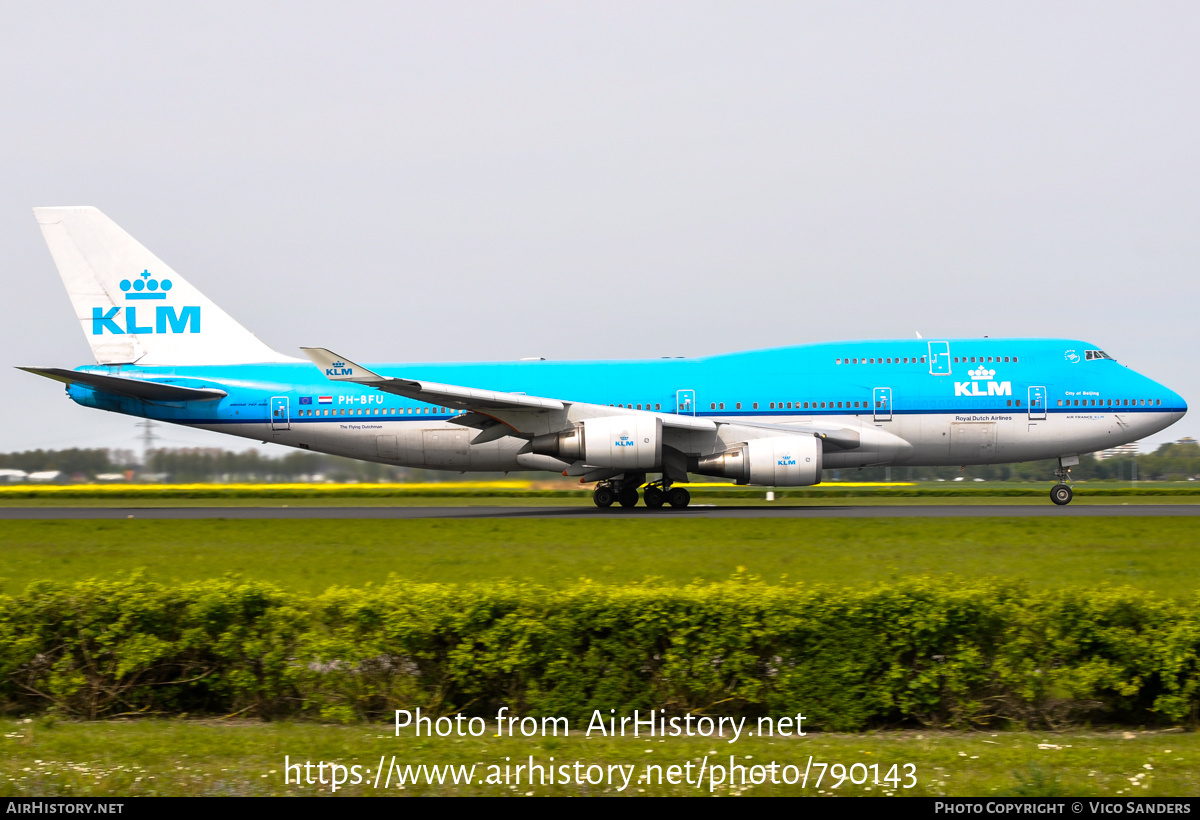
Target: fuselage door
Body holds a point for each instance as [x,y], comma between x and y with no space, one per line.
[939,358]
[685,402]
[883,403]
[1037,403]
[279,413]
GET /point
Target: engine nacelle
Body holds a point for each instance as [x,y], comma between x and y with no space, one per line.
[779,461]
[624,442]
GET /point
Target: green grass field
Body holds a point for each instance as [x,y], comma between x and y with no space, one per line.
[1157,554]
[128,758]
[183,757]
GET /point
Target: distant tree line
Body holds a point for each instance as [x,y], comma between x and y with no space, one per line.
[1170,462]
[202,464]
[70,462]
[1177,461]
[209,464]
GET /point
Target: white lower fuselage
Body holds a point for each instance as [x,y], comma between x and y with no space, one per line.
[931,439]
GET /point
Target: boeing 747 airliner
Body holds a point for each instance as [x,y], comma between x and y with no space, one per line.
[774,417]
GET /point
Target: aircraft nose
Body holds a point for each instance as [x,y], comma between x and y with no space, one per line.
[1173,403]
[1177,403]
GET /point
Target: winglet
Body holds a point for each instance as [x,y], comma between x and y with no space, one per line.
[340,369]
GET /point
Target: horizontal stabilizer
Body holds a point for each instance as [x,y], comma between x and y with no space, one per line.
[134,388]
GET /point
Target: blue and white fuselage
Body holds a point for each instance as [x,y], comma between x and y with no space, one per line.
[774,417]
[949,415]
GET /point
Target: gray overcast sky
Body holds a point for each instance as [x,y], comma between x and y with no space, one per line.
[446,181]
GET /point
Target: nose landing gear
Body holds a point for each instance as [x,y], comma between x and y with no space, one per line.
[1062,493]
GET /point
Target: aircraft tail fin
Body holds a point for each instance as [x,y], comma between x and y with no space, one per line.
[133,308]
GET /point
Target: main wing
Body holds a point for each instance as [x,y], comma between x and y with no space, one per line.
[340,369]
[525,415]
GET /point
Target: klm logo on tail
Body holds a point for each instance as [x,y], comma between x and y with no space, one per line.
[166,318]
[339,369]
[972,388]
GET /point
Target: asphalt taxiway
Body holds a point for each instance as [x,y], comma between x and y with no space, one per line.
[1041,510]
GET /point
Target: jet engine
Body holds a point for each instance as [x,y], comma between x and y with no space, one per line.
[780,461]
[625,442]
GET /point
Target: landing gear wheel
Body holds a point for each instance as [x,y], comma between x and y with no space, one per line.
[603,496]
[653,497]
[1061,495]
[628,497]
[679,498]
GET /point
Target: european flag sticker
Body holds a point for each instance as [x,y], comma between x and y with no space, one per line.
[306,399]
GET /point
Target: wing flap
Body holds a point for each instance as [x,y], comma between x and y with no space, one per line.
[834,437]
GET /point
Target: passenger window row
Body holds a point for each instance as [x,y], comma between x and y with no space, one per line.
[816,405]
[376,411]
[883,360]
[915,360]
[1110,402]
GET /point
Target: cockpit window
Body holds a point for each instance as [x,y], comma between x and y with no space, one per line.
[1088,355]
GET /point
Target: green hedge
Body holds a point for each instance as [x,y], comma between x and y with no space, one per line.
[933,652]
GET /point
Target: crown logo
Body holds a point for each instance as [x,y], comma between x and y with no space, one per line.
[339,364]
[146,287]
[981,373]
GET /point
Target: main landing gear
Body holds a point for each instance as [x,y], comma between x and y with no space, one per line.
[603,496]
[1062,493]
[655,495]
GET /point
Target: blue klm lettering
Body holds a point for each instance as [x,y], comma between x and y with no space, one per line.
[102,321]
[188,317]
[166,320]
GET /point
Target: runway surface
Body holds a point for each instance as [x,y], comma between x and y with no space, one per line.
[1041,510]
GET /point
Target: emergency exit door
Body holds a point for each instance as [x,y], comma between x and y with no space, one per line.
[1037,403]
[685,402]
[883,403]
[279,413]
[939,358]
